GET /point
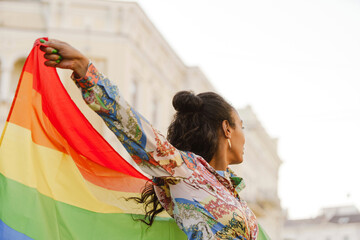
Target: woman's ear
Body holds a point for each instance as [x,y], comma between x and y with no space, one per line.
[226,129]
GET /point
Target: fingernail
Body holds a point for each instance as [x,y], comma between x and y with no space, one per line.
[42,40]
[54,51]
[60,57]
[57,61]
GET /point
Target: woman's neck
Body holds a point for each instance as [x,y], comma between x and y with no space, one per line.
[219,160]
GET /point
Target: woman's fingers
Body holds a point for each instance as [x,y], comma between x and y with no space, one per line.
[51,63]
[55,44]
[53,57]
[52,49]
[62,55]
[66,64]
[48,49]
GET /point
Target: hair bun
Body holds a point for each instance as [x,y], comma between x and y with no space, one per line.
[186,101]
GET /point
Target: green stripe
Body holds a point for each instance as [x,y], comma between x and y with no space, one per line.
[262,234]
[40,217]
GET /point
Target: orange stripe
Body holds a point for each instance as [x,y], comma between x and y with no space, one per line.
[103,177]
[28,103]
[21,108]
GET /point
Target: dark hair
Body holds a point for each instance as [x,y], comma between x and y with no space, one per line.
[196,124]
[195,128]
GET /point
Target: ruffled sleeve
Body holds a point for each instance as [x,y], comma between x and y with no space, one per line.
[146,145]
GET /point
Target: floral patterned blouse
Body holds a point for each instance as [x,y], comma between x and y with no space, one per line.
[204,203]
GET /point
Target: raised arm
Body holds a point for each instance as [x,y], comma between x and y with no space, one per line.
[149,149]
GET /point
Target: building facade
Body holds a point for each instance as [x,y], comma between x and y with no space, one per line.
[260,171]
[123,43]
[337,223]
[117,36]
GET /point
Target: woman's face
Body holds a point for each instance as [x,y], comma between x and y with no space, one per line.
[237,140]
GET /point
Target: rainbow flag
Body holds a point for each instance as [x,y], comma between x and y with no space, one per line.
[59,178]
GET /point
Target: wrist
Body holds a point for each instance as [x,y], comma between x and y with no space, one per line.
[81,68]
[89,79]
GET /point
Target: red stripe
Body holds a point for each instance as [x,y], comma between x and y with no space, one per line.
[68,119]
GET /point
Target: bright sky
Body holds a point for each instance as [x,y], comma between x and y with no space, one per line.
[297,63]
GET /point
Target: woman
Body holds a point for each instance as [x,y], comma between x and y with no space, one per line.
[191,178]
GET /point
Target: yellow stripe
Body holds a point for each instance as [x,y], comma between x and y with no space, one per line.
[55,174]
[116,198]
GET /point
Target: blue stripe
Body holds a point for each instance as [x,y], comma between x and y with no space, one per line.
[7,233]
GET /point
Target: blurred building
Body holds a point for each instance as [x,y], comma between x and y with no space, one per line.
[123,43]
[337,223]
[260,172]
[117,36]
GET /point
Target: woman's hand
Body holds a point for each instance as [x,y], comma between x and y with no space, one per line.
[62,55]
